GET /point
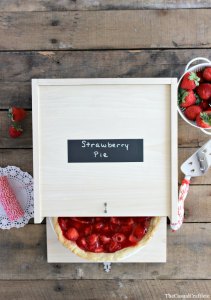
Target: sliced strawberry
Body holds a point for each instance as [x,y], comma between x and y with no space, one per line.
[106,228]
[63,223]
[133,239]
[82,220]
[92,239]
[72,234]
[114,246]
[115,220]
[99,249]
[119,237]
[105,239]
[98,226]
[190,81]
[139,231]
[88,230]
[82,243]
[125,228]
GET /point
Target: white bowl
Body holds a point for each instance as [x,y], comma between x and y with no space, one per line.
[196,68]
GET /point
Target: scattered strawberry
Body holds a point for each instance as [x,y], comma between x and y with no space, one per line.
[204,91]
[200,75]
[190,81]
[186,98]
[105,239]
[207,74]
[15,130]
[72,234]
[192,112]
[119,237]
[204,119]
[16,114]
[92,239]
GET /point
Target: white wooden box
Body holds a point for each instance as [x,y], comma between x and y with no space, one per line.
[95,109]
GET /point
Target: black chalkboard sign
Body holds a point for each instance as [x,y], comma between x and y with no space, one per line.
[102,151]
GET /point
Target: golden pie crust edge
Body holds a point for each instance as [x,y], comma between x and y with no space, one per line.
[103,257]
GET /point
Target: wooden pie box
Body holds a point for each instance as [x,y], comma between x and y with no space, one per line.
[95,109]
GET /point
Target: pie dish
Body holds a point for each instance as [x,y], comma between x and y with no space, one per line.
[101,239]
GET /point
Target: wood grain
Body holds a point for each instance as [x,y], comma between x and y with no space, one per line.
[188,249]
[105,29]
[19,67]
[63,5]
[102,289]
[197,206]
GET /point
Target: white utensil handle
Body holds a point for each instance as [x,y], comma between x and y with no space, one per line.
[183,191]
[205,131]
[195,59]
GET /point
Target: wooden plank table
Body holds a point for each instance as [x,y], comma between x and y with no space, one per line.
[105,38]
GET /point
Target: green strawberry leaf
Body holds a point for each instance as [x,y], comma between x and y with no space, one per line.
[194,77]
[182,95]
[206,118]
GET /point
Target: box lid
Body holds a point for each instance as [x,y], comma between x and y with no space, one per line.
[105,147]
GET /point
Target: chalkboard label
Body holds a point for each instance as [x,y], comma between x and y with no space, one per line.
[102,151]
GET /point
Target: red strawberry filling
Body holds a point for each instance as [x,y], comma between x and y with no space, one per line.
[104,234]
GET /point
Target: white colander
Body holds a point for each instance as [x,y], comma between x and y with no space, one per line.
[195,68]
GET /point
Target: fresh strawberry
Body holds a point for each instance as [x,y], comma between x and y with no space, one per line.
[119,237]
[204,119]
[200,75]
[190,81]
[186,98]
[15,130]
[72,234]
[192,112]
[139,231]
[16,114]
[114,246]
[207,74]
[92,239]
[105,239]
[204,91]
[204,105]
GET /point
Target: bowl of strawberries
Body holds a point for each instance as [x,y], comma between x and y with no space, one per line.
[194,94]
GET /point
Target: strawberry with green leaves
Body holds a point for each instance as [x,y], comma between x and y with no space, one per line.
[204,91]
[190,81]
[15,130]
[16,114]
[186,98]
[204,119]
[192,112]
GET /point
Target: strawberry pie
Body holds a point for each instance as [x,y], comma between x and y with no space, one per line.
[104,238]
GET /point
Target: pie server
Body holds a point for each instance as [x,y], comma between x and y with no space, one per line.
[196,165]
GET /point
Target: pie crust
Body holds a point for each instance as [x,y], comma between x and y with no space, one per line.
[103,257]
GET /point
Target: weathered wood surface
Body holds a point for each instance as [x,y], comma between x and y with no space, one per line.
[102,289]
[122,29]
[18,68]
[188,258]
[62,5]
